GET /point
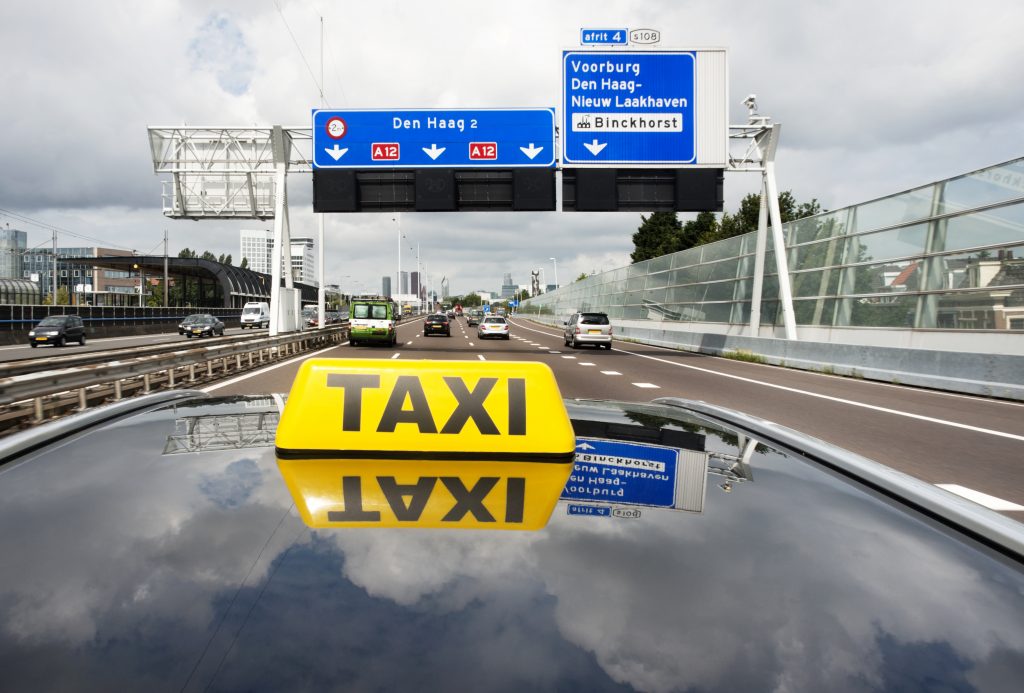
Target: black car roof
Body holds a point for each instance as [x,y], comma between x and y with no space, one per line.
[161,549]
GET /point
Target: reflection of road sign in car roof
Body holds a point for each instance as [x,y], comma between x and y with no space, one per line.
[588,328]
[58,330]
[437,323]
[684,536]
[493,326]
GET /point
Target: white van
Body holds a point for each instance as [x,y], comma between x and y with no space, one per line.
[256,314]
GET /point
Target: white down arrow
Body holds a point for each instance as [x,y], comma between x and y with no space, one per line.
[531,151]
[337,152]
[434,151]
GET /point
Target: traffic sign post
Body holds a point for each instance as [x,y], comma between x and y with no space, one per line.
[434,138]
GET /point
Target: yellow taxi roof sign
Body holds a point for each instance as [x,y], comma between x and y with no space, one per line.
[454,410]
[447,444]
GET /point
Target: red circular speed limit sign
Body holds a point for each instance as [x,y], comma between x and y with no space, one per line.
[336,128]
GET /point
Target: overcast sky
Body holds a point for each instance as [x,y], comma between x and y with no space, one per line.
[874,98]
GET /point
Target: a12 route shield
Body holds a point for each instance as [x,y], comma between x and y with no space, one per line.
[628,108]
[434,138]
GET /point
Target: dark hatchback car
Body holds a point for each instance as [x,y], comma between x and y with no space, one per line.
[58,330]
[437,323]
[205,326]
[695,549]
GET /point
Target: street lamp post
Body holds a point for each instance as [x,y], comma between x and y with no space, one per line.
[398,275]
[142,280]
[555,263]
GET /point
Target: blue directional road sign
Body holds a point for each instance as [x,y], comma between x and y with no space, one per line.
[628,108]
[604,37]
[434,138]
[628,473]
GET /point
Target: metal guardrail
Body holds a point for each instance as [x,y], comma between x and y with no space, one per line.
[69,385]
[62,359]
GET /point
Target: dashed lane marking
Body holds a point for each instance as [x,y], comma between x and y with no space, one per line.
[481,357]
[611,373]
[990,502]
[648,386]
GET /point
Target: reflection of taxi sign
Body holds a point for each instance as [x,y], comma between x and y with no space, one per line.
[371,443]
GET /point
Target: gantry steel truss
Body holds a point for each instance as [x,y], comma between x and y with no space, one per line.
[227,172]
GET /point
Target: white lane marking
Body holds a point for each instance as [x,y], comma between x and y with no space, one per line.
[648,386]
[542,347]
[990,502]
[552,351]
[261,371]
[395,355]
[611,373]
[408,343]
[481,357]
[568,357]
[471,344]
[587,363]
[840,400]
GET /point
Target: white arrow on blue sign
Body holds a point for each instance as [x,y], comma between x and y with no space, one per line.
[433,138]
[632,107]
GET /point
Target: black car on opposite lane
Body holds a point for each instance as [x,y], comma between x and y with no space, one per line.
[205,326]
[185,326]
[58,330]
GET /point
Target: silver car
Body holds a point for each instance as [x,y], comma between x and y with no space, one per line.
[588,328]
[493,326]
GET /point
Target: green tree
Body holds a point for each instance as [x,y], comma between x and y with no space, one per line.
[187,253]
[658,234]
[746,217]
[155,298]
[207,255]
[583,275]
[245,263]
[523,295]
[471,300]
[696,231]
[62,295]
